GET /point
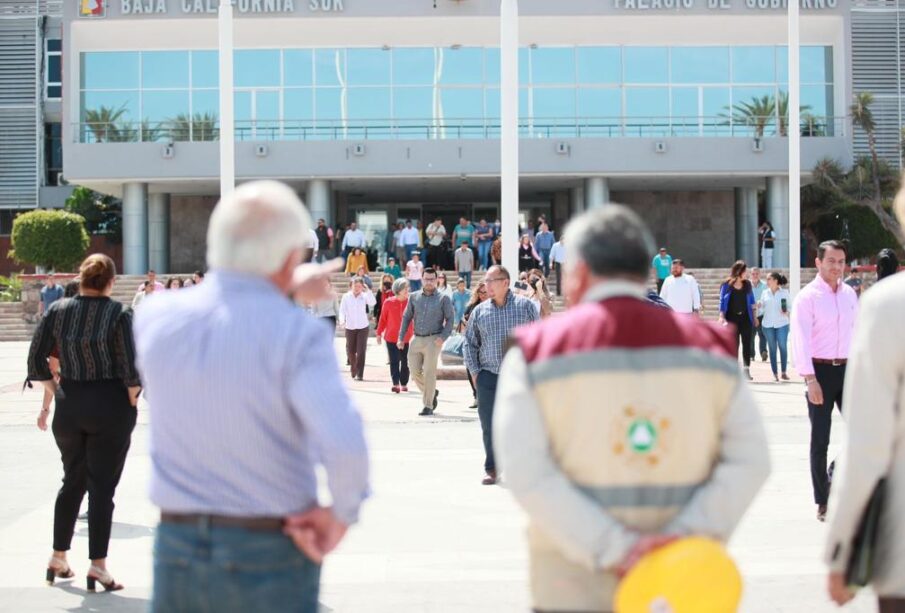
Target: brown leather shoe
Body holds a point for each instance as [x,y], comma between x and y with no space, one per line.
[489,478]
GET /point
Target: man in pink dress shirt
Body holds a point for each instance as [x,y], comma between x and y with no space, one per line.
[823,318]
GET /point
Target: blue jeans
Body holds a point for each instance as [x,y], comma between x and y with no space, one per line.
[777,338]
[414,285]
[484,253]
[409,249]
[545,260]
[467,277]
[203,568]
[486,391]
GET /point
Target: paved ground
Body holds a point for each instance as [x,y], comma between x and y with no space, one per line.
[431,540]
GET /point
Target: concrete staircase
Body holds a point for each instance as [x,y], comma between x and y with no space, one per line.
[13,326]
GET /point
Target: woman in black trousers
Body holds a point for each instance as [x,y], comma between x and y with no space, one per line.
[737,307]
[96,399]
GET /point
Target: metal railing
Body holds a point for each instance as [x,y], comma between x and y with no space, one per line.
[462,129]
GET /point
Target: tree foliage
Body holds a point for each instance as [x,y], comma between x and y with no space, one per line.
[56,240]
[103,214]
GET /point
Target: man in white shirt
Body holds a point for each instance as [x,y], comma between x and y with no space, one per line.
[313,242]
[352,239]
[410,238]
[557,260]
[353,316]
[680,291]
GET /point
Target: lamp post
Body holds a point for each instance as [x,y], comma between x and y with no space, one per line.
[509,162]
[227,125]
[794,128]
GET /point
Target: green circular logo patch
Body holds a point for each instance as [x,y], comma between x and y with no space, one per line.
[642,436]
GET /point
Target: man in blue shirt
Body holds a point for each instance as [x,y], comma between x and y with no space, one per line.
[543,244]
[662,264]
[484,236]
[759,285]
[50,293]
[464,231]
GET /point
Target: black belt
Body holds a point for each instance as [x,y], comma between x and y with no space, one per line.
[258,524]
[832,362]
[426,335]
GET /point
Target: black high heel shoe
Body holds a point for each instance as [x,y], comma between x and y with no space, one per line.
[58,569]
[98,575]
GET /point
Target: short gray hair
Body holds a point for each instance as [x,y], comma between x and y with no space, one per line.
[399,285]
[612,240]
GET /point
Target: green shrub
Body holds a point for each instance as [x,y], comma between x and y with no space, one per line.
[56,240]
[859,227]
[11,288]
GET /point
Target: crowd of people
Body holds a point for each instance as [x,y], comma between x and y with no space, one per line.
[604,478]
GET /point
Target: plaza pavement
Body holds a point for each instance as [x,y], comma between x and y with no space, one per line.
[432,539]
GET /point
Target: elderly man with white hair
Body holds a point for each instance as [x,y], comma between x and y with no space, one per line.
[247,399]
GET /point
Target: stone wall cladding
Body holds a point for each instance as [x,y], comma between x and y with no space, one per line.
[189,216]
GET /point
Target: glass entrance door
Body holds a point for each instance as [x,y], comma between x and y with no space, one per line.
[375,225]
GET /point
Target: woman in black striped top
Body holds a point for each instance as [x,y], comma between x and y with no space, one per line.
[96,399]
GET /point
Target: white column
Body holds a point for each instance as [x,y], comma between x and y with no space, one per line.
[576,198]
[596,191]
[778,214]
[135,228]
[227,115]
[317,199]
[159,232]
[509,140]
[789,250]
[746,242]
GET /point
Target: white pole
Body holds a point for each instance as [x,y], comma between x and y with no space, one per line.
[509,163]
[794,129]
[227,125]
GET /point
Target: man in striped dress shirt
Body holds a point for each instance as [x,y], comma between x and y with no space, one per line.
[247,400]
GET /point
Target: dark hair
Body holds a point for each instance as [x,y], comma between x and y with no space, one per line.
[821,249]
[96,272]
[887,263]
[200,273]
[679,261]
[71,288]
[779,278]
[177,281]
[737,269]
[429,271]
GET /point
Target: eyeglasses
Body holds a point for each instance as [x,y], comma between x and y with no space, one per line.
[486,280]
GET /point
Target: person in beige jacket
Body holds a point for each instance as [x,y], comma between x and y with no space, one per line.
[874,404]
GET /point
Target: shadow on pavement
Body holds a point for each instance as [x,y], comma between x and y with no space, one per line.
[122,531]
[105,602]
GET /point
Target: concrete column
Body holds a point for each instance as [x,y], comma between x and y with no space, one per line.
[576,198]
[159,232]
[778,215]
[135,228]
[317,199]
[746,247]
[596,191]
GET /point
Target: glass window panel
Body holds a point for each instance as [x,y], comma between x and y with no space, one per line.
[298,104]
[413,103]
[54,69]
[716,111]
[492,65]
[54,91]
[242,110]
[700,64]
[462,66]
[205,69]
[164,69]
[553,65]
[647,102]
[413,66]
[257,68]
[298,69]
[600,103]
[164,106]
[369,104]
[330,66]
[54,44]
[554,103]
[599,64]
[108,104]
[110,70]
[206,102]
[685,103]
[462,103]
[819,98]
[368,66]
[750,106]
[782,64]
[267,106]
[492,104]
[816,64]
[753,64]
[328,104]
[646,64]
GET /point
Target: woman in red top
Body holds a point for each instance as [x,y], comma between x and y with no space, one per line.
[388,329]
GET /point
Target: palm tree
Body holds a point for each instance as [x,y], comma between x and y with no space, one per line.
[757,113]
[198,127]
[104,122]
[782,109]
[863,118]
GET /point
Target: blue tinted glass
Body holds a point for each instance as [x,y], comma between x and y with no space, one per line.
[716,111]
[462,103]
[54,44]
[753,64]
[111,106]
[328,104]
[599,103]
[206,102]
[816,64]
[267,106]
[164,69]
[164,106]
[298,69]
[462,66]
[54,69]
[369,103]
[205,69]
[492,104]
[752,106]
[298,104]
[554,103]
[647,102]
[368,66]
[700,64]
[413,66]
[330,66]
[492,65]
[646,64]
[554,65]
[54,91]
[242,107]
[817,100]
[685,103]
[599,65]
[257,68]
[782,64]
[413,103]
[110,70]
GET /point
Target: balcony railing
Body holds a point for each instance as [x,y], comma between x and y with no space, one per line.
[449,129]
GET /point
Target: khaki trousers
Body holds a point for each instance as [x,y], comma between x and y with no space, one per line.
[423,356]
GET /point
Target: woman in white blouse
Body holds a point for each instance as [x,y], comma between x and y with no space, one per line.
[775,304]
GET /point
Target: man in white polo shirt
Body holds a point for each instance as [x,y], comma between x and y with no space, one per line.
[680,291]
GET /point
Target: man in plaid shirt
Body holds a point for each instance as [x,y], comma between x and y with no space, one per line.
[490,325]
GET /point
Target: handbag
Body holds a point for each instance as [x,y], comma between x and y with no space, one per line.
[864,545]
[453,351]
